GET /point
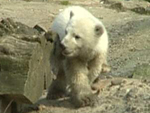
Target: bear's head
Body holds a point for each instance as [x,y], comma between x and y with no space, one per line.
[82,36]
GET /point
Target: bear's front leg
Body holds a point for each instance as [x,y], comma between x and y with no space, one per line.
[81,94]
[96,66]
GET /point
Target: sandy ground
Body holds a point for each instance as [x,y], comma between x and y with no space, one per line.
[129,49]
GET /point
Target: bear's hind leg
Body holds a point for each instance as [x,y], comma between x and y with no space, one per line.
[58,87]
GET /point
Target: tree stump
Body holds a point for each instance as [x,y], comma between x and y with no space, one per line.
[24,62]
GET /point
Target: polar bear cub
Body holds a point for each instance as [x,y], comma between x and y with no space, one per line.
[79,54]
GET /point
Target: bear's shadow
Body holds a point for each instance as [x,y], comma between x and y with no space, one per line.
[64,102]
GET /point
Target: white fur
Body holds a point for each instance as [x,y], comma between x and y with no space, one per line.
[88,53]
[62,20]
[79,54]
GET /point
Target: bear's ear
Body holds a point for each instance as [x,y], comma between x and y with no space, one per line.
[71,14]
[99,30]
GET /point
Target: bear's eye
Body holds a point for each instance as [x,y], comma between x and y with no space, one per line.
[77,37]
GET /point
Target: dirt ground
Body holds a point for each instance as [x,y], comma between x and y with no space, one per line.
[128,25]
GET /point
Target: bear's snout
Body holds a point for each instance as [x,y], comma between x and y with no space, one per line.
[62,46]
[65,50]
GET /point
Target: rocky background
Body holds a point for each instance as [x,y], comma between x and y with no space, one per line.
[126,89]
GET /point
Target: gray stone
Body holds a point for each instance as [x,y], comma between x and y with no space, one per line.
[24,63]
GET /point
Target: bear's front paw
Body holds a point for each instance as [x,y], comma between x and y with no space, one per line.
[84,100]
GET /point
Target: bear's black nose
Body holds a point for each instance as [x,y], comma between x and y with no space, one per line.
[62,46]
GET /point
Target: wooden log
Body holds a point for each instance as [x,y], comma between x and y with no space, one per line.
[24,61]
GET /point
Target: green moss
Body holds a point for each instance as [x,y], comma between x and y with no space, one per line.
[64,2]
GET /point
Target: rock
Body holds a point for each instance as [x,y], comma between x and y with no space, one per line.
[8,26]
[141,10]
[24,62]
[39,28]
[118,6]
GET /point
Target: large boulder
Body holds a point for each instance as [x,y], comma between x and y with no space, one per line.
[24,62]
